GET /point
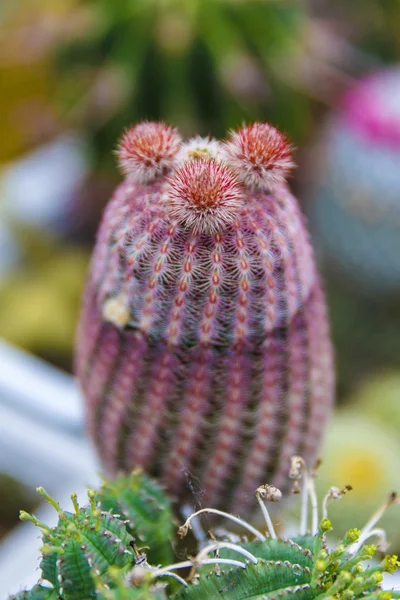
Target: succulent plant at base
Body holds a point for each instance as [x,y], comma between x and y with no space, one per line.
[203,347]
[303,566]
[88,539]
[86,543]
[38,592]
[103,592]
[268,568]
[124,593]
[146,509]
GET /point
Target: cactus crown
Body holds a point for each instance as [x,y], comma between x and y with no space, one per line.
[205,178]
[216,209]
[84,558]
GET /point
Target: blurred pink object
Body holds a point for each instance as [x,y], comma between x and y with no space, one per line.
[372,107]
[357,209]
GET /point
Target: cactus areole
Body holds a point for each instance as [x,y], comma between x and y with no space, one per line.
[203,347]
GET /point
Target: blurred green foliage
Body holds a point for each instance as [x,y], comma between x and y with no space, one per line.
[13,495]
[372,25]
[40,300]
[203,65]
[365,334]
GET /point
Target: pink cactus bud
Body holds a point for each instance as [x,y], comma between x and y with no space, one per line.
[260,155]
[203,195]
[203,347]
[148,150]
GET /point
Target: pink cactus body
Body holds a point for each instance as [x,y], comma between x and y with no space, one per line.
[203,347]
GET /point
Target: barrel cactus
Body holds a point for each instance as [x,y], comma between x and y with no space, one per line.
[357,208]
[203,346]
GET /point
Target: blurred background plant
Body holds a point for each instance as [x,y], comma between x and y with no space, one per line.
[74,73]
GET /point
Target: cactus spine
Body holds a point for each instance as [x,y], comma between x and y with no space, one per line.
[203,346]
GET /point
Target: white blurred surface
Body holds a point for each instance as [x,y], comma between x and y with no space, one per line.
[37,189]
[34,387]
[42,442]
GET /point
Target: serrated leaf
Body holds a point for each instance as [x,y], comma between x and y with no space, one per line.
[247,584]
[74,574]
[38,592]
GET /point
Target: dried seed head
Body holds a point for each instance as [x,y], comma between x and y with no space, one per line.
[334,493]
[270,493]
[297,466]
[260,155]
[203,195]
[148,150]
[137,575]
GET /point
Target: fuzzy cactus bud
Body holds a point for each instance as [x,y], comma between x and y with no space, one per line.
[203,347]
[147,150]
[260,154]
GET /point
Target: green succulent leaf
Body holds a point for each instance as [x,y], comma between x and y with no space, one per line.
[91,553]
[142,502]
[261,581]
[36,593]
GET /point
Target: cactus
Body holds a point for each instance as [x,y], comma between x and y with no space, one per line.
[268,567]
[87,543]
[203,346]
[38,592]
[145,507]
